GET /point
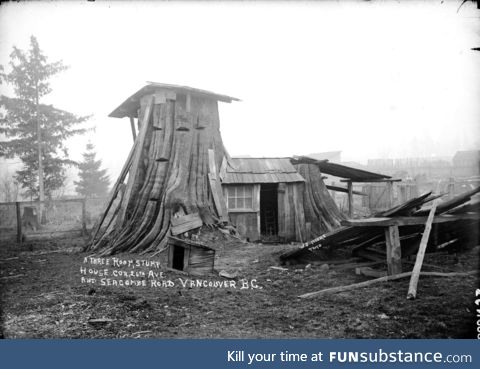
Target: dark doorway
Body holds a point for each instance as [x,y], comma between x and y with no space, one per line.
[178,254]
[269,209]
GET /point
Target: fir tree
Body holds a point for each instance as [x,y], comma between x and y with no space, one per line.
[94,182]
[36,132]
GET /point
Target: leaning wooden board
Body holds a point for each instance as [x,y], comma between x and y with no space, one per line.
[216,188]
[135,161]
[185,223]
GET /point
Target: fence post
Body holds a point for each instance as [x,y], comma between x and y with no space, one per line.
[390,201]
[350,199]
[451,187]
[84,217]
[19,222]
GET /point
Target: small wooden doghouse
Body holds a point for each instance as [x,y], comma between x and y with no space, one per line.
[189,256]
[264,198]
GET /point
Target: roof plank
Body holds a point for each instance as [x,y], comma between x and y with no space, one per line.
[402,221]
[130,106]
[339,170]
[261,170]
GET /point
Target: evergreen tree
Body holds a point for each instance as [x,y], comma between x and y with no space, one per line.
[94,182]
[36,132]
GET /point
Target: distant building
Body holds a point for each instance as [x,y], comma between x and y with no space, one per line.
[412,167]
[466,163]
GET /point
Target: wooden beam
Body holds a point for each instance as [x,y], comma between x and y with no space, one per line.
[388,278]
[452,203]
[350,199]
[370,180]
[132,127]
[412,288]
[403,221]
[394,251]
[19,222]
[345,190]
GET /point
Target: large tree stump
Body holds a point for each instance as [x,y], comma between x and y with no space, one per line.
[168,172]
[320,209]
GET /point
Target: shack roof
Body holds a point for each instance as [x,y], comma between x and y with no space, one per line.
[261,170]
[130,106]
[339,170]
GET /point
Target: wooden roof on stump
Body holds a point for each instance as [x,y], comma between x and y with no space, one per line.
[130,106]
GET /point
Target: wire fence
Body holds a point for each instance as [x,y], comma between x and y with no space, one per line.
[26,220]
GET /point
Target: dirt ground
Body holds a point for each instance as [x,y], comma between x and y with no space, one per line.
[42,297]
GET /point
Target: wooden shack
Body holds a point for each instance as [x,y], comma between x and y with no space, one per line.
[189,256]
[264,198]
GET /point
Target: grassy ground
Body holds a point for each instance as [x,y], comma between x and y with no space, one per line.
[42,296]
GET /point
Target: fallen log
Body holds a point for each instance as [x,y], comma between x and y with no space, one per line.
[382,279]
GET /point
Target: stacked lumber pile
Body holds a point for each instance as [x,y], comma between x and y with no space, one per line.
[455,228]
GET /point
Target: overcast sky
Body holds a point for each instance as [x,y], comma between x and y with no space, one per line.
[373,79]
